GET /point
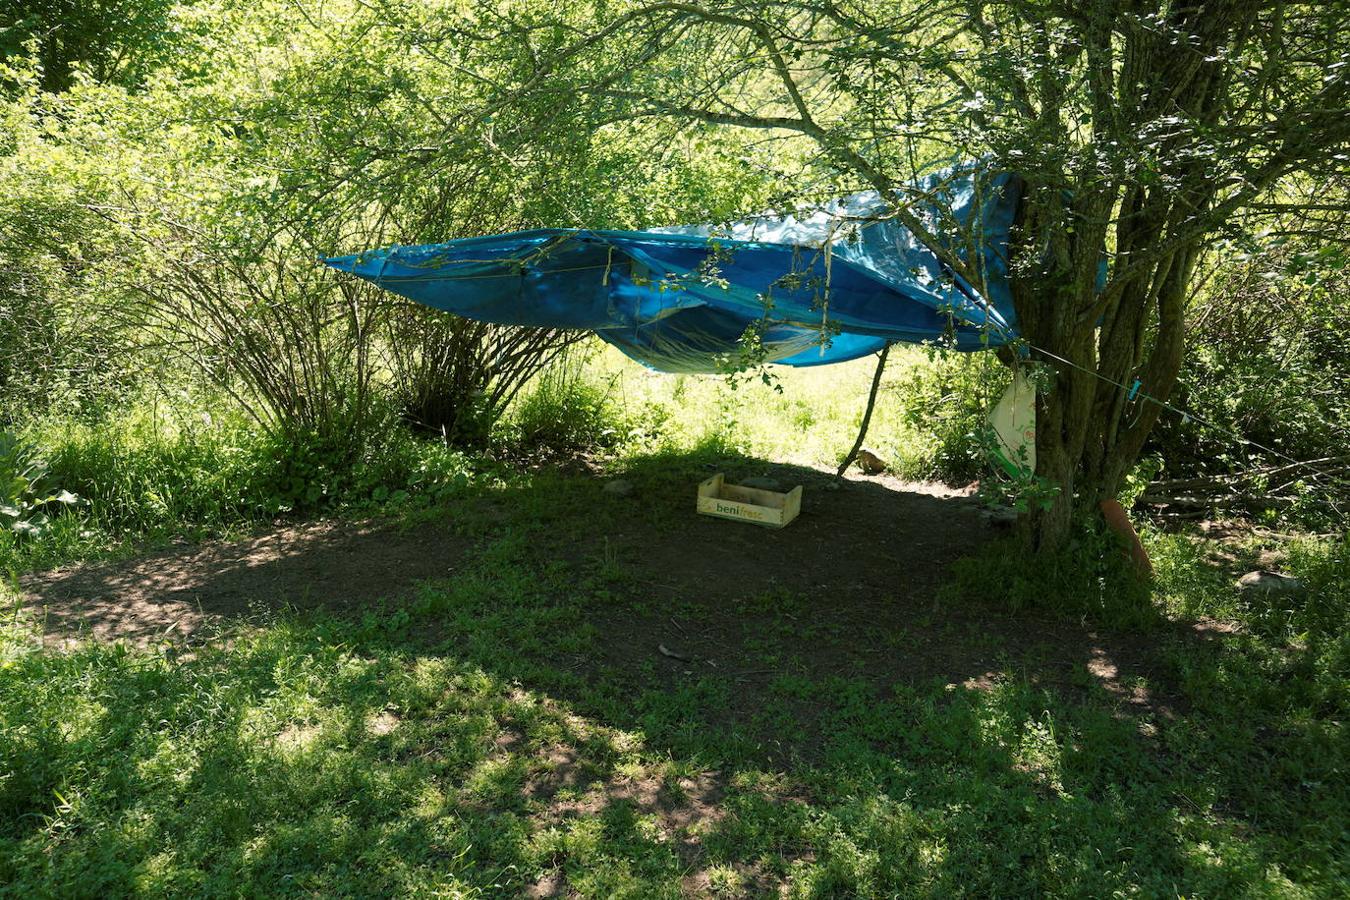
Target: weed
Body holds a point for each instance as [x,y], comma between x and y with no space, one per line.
[1091,578]
[496,734]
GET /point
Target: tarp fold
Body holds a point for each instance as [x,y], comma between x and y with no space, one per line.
[824,287]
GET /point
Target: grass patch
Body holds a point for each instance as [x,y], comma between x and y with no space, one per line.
[510,727]
[928,410]
[493,736]
[149,476]
[1090,579]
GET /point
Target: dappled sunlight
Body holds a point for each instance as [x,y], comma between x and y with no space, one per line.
[171,595]
[1132,691]
[822,717]
[349,547]
[382,768]
[381,723]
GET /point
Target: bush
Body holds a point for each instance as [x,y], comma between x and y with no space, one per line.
[945,404]
[565,413]
[291,342]
[1268,368]
[27,491]
[58,349]
[454,377]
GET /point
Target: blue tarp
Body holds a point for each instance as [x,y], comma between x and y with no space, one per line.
[821,288]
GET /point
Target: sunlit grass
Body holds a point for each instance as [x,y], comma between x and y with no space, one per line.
[447,745]
[810,416]
[349,757]
[450,745]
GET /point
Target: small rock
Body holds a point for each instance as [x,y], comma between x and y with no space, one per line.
[618,487]
[763,483]
[870,463]
[1263,582]
[832,485]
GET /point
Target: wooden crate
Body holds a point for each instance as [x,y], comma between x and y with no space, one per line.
[747,504]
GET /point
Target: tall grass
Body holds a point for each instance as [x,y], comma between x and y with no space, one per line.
[144,472]
[195,464]
[928,412]
[159,470]
[567,409]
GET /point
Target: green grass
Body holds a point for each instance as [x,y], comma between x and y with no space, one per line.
[452,745]
[198,467]
[152,474]
[495,732]
[928,408]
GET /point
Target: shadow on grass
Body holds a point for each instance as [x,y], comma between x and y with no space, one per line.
[610,695]
[172,594]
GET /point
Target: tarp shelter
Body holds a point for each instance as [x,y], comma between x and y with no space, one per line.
[825,287]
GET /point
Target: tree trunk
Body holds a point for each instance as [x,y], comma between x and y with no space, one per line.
[1065,423]
[1092,423]
[867,413]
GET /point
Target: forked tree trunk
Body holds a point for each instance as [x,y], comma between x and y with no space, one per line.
[1149,219]
[1089,429]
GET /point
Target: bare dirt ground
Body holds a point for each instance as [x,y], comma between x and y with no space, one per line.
[869,557]
[182,592]
[878,538]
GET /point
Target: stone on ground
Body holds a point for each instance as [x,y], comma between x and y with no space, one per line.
[1264,582]
[618,487]
[870,463]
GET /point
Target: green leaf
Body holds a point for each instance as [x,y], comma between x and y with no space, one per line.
[27,528]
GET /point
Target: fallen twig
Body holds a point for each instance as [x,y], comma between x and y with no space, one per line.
[666,651]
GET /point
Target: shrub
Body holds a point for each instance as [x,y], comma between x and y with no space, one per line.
[58,349]
[454,377]
[1268,368]
[28,493]
[945,403]
[566,412]
[287,339]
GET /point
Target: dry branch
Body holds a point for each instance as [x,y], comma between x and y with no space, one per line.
[1263,487]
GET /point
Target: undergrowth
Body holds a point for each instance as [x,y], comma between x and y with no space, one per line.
[1092,578]
[453,744]
[480,739]
[196,465]
[144,478]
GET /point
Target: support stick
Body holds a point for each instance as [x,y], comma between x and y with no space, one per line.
[867,414]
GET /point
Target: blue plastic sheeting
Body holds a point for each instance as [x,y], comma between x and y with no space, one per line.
[832,286]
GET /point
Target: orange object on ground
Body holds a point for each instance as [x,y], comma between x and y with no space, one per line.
[1120,523]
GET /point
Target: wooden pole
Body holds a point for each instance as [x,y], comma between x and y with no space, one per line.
[867,414]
